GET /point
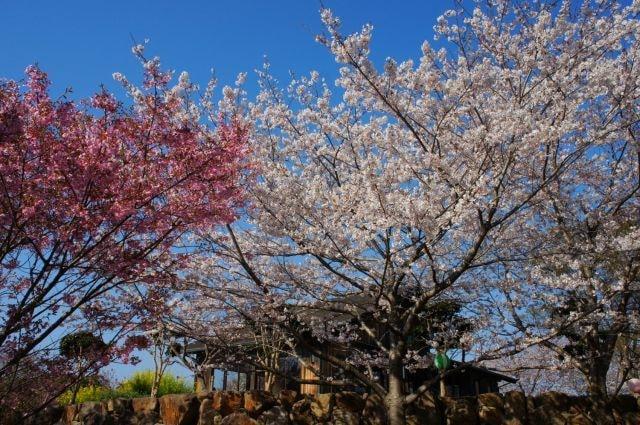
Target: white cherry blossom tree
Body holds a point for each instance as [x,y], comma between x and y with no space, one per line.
[405,186]
[578,290]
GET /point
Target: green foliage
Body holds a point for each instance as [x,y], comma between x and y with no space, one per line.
[140,382]
[80,343]
[138,385]
[95,393]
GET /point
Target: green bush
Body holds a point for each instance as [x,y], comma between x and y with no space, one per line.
[140,383]
[95,393]
[137,385]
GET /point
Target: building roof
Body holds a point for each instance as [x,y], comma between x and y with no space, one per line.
[486,371]
[197,347]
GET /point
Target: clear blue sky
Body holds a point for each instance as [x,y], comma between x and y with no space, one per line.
[81,43]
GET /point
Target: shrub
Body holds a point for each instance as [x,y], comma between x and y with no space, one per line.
[140,383]
[95,393]
[137,385]
[79,344]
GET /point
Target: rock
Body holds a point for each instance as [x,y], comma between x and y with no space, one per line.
[555,408]
[632,418]
[145,410]
[179,409]
[92,413]
[119,406]
[578,418]
[301,412]
[70,412]
[145,404]
[321,406]
[461,411]
[227,402]
[543,416]
[426,410]
[490,409]
[204,394]
[144,418]
[598,411]
[52,414]
[515,408]
[274,416]
[238,419]
[580,412]
[208,414]
[552,400]
[349,401]
[345,417]
[342,408]
[257,401]
[120,411]
[287,398]
[374,412]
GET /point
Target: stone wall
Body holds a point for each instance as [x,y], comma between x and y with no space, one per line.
[345,408]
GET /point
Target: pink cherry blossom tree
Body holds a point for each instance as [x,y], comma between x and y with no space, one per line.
[94,195]
[367,211]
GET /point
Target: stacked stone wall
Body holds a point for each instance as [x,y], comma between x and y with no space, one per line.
[344,408]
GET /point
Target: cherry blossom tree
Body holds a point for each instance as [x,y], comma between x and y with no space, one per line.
[369,210]
[578,292]
[571,281]
[538,370]
[94,195]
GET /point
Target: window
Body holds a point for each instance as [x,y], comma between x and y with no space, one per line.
[307,373]
[232,380]
[259,381]
[218,379]
[242,381]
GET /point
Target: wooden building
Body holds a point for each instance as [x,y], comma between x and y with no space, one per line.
[466,380]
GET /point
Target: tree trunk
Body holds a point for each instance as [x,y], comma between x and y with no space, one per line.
[273,362]
[155,384]
[74,395]
[208,379]
[394,400]
[200,383]
[598,367]
[443,386]
[269,381]
[204,380]
[597,379]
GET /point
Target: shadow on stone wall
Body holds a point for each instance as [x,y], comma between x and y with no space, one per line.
[345,408]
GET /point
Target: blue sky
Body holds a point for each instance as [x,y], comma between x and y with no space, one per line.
[81,43]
